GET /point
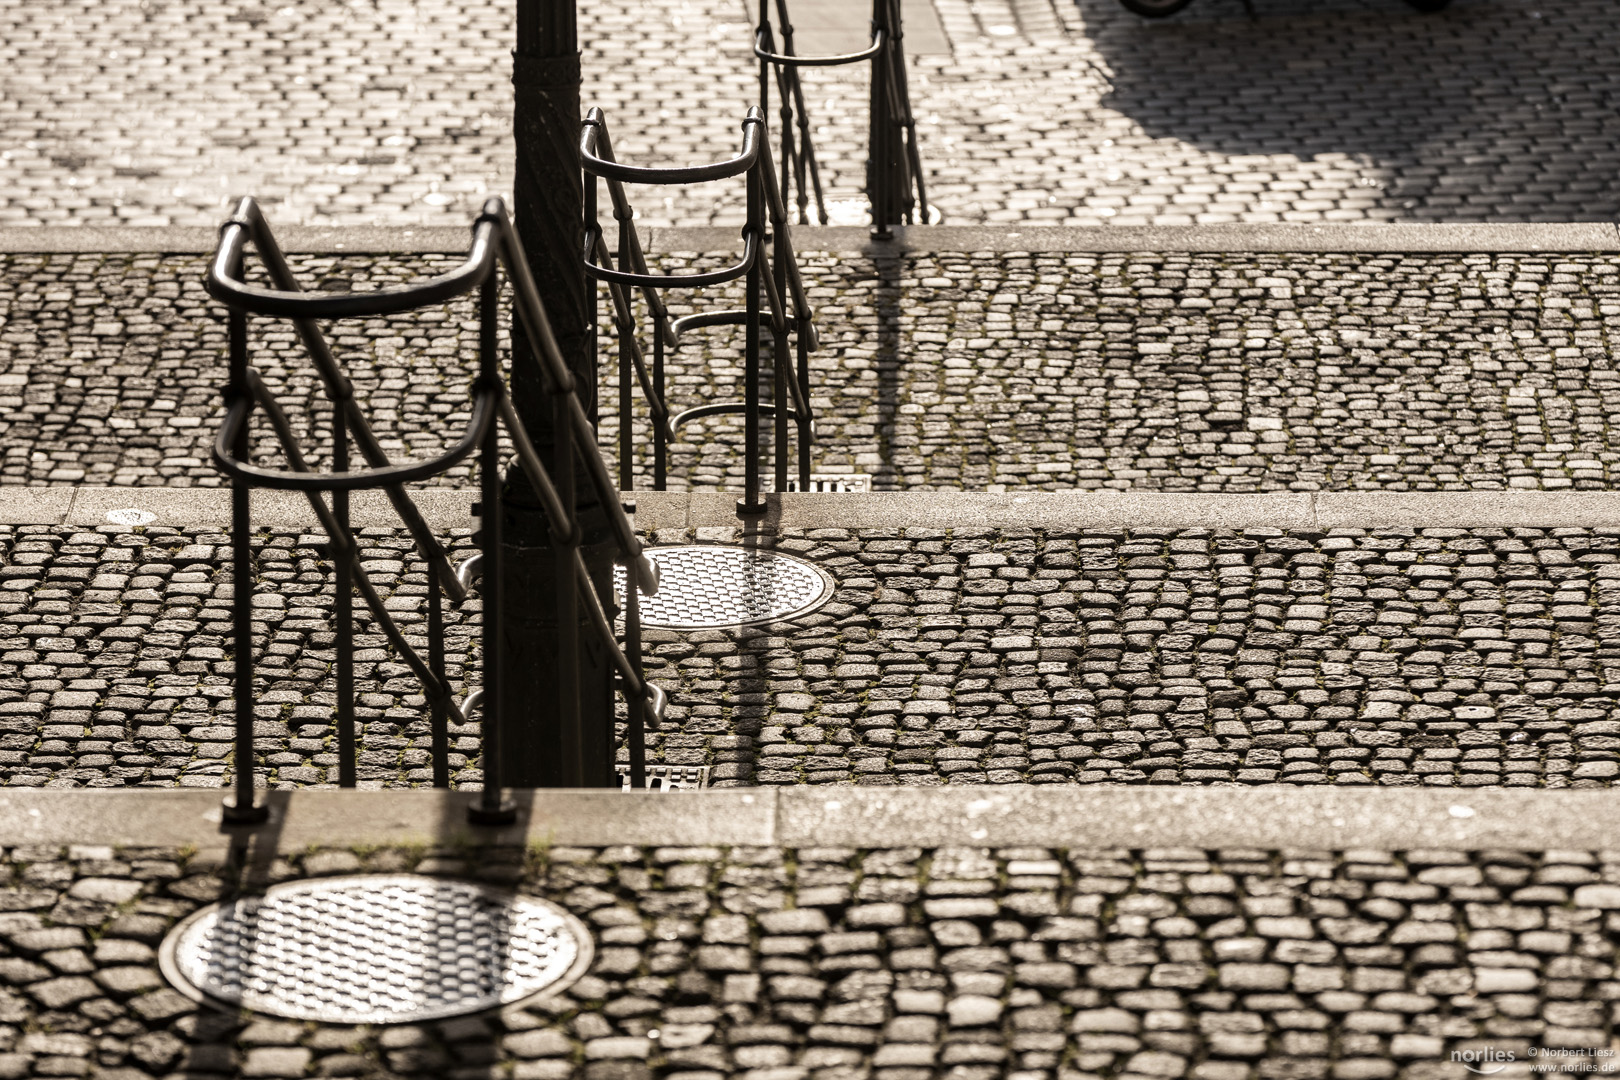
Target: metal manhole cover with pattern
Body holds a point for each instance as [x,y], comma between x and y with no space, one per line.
[708,586]
[375,949]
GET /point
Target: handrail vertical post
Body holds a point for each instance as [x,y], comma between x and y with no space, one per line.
[764,64]
[779,343]
[627,433]
[491,808]
[791,87]
[879,165]
[805,161]
[779,414]
[564,538]
[438,721]
[911,161]
[592,225]
[490,804]
[806,434]
[751,502]
[660,443]
[242,810]
[786,112]
[635,712]
[344,554]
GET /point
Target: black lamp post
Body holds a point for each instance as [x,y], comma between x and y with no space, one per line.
[537,675]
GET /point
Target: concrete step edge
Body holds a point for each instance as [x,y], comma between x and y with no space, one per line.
[1405,237]
[449,508]
[1273,817]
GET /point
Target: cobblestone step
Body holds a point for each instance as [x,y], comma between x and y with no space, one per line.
[1000,932]
[1462,640]
[959,362]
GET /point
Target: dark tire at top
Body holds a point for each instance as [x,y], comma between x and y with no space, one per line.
[1155,9]
[1428,5]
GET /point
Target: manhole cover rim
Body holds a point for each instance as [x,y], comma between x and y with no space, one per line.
[584,953]
[828,587]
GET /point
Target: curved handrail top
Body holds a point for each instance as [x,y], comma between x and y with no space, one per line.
[484,401]
[677,281]
[705,319]
[753,126]
[880,37]
[731,408]
[236,293]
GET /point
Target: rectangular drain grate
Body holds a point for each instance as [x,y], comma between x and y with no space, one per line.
[669,777]
[848,483]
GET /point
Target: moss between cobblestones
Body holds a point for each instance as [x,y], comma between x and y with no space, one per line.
[844,964]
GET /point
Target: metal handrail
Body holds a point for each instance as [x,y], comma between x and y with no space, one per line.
[603,272]
[494,245]
[301,480]
[762,46]
[894,164]
[247,222]
[285,301]
[595,126]
[595,129]
[773,273]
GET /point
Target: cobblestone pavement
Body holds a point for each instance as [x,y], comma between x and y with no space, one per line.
[899,963]
[1466,658]
[1052,111]
[942,371]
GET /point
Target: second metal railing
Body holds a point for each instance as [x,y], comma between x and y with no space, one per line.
[769,267]
[894,175]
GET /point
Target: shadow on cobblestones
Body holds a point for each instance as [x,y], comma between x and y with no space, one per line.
[1488,109]
[892,380]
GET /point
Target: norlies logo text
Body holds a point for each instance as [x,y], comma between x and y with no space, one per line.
[1485,1062]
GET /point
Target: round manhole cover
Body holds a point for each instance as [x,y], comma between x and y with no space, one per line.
[705,587]
[375,950]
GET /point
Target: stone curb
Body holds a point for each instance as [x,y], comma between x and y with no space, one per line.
[1216,239]
[444,508]
[192,240]
[449,508]
[919,239]
[1270,817]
